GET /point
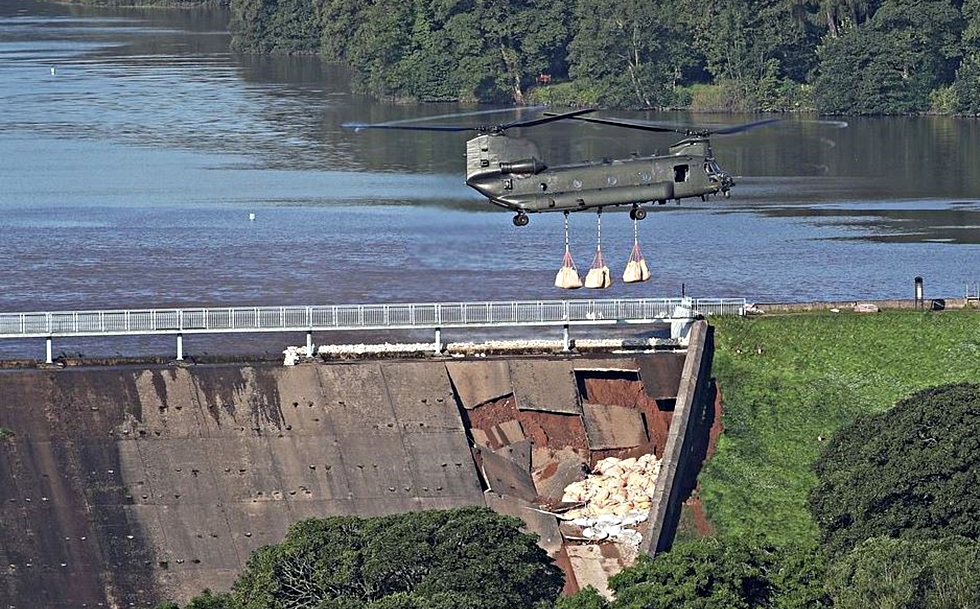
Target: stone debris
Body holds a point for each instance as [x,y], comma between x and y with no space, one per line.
[293,355]
[866,307]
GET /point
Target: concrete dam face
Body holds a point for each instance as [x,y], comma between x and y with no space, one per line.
[126,486]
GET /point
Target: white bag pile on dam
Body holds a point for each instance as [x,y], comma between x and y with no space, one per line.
[617,496]
[616,487]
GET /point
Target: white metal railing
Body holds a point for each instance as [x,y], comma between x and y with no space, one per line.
[360,317]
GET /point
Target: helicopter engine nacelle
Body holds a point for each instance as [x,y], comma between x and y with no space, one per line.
[694,146]
[524,166]
[494,153]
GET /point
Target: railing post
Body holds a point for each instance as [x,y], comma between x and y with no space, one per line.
[438,341]
[566,343]
[180,347]
[47,358]
[309,343]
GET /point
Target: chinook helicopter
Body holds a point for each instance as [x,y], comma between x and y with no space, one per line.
[509,170]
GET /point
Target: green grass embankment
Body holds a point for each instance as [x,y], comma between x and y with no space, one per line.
[789,381]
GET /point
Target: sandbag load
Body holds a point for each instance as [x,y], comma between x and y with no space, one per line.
[636,271]
[636,267]
[598,277]
[568,277]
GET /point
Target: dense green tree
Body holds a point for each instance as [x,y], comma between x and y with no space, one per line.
[883,573]
[206,600]
[588,598]
[891,63]
[729,573]
[631,54]
[271,26]
[838,14]
[753,47]
[467,558]
[967,83]
[911,471]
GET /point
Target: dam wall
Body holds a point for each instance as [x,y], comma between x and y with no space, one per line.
[124,486]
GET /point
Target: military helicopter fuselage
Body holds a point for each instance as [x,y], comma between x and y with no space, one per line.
[510,173]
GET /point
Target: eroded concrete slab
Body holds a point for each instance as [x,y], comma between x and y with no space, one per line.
[610,426]
[478,382]
[545,385]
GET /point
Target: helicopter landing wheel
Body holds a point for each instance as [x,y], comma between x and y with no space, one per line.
[704,198]
[521,219]
[638,213]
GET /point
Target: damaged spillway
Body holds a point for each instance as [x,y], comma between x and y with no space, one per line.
[125,486]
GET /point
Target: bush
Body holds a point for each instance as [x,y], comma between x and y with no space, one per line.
[437,559]
[883,572]
[730,573]
[911,471]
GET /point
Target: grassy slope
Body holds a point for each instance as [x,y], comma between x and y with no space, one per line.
[814,373]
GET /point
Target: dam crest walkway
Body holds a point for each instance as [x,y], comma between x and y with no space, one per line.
[357,317]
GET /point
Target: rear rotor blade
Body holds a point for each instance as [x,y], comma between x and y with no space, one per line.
[744,126]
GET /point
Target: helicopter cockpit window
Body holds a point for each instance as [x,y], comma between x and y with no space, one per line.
[680,173]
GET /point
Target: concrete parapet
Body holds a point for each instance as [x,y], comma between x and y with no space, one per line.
[673,486]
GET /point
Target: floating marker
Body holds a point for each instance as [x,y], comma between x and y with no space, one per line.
[251,217]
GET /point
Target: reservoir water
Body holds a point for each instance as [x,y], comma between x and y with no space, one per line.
[134,146]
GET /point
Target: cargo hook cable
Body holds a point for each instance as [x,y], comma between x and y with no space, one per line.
[567,260]
[597,261]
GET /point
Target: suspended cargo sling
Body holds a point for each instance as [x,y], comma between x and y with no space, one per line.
[567,277]
[598,276]
[636,267]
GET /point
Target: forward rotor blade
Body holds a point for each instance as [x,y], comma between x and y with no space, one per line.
[452,128]
[547,118]
[421,123]
[622,122]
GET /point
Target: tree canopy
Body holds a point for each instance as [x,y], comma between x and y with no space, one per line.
[467,558]
[884,572]
[706,573]
[835,56]
[909,472]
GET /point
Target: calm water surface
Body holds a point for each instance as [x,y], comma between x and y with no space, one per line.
[134,146]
